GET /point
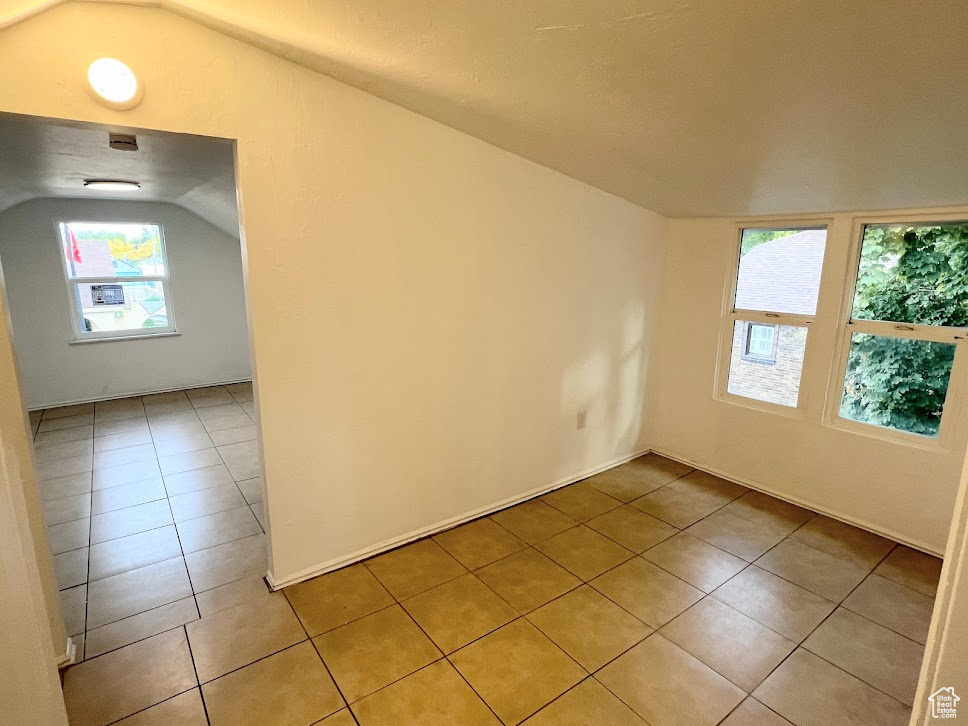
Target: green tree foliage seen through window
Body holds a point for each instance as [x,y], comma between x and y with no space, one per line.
[911,275]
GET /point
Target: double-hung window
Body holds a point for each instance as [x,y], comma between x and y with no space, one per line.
[772,303]
[117,279]
[909,315]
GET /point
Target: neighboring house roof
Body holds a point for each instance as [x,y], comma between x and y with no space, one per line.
[782,275]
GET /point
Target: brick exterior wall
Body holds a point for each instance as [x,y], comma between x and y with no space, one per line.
[777,381]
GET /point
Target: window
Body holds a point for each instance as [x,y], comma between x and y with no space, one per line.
[117,277]
[909,312]
[774,301]
[761,341]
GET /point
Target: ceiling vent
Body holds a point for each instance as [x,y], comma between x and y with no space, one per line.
[123,142]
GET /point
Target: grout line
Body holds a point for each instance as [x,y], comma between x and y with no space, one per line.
[198,680]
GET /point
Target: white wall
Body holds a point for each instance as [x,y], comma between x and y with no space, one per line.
[428,313]
[206,291]
[900,490]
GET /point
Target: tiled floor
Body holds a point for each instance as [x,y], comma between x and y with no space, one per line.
[649,595]
[153,506]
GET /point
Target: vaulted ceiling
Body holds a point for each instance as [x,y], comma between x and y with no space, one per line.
[687,107]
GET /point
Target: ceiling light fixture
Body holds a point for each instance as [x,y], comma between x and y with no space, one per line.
[114,84]
[112,185]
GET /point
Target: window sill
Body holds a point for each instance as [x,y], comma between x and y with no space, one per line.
[113,338]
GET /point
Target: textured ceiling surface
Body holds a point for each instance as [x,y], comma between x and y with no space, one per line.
[46,158]
[687,107]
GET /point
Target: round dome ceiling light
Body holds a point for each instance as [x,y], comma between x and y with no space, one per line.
[112,185]
[114,84]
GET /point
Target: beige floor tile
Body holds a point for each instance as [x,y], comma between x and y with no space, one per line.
[753,713]
[771,601]
[252,489]
[648,592]
[69,535]
[249,408]
[73,603]
[130,520]
[59,436]
[479,543]
[70,568]
[336,598]
[136,423]
[206,501]
[368,654]
[117,409]
[130,593]
[208,413]
[584,552]
[183,444]
[433,695]
[127,455]
[228,422]
[666,685]
[291,687]
[622,483]
[227,562]
[133,552]
[188,461]
[128,495]
[517,670]
[732,644]
[533,521]
[65,422]
[136,436]
[58,468]
[209,396]
[231,594]
[225,436]
[737,536]
[242,459]
[59,511]
[894,606]
[708,488]
[215,529]
[168,407]
[66,486]
[632,528]
[138,627]
[115,476]
[587,704]
[589,627]
[808,691]
[259,510]
[342,717]
[185,709]
[459,611]
[527,579]
[105,689]
[581,502]
[674,507]
[197,479]
[826,575]
[48,452]
[242,635]
[73,409]
[166,428]
[657,469]
[878,656]
[240,391]
[415,568]
[847,542]
[694,561]
[916,570]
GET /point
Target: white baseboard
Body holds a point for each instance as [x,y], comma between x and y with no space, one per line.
[446,524]
[805,503]
[95,399]
[70,654]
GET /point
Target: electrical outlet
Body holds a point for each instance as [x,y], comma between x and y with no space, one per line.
[582,419]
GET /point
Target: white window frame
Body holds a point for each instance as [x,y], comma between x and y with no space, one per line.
[955,398]
[76,313]
[731,315]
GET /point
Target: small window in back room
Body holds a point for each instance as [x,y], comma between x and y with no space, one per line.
[117,279]
[775,300]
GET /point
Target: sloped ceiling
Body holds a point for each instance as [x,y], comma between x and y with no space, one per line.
[687,107]
[46,158]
